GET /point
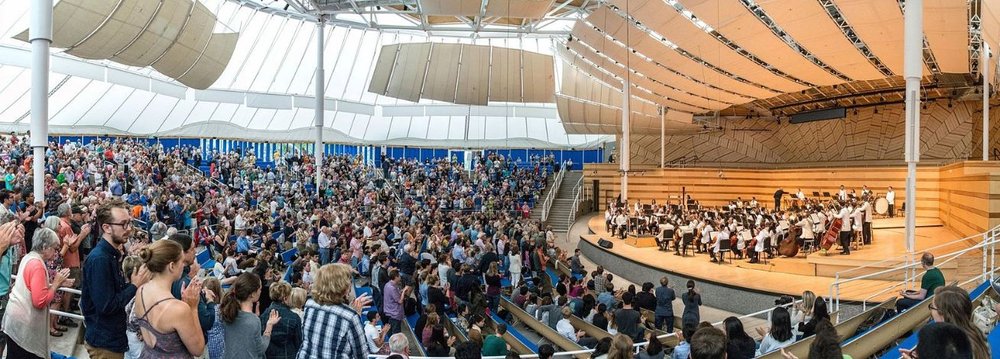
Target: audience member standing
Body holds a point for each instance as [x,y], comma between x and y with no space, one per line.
[665,306]
[692,304]
[393,301]
[26,320]
[243,328]
[168,327]
[104,290]
[329,314]
[286,336]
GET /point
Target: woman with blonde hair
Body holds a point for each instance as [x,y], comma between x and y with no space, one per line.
[621,347]
[286,336]
[331,314]
[297,300]
[802,311]
[951,304]
[168,327]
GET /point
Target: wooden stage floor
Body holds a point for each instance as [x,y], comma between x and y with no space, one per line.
[792,276]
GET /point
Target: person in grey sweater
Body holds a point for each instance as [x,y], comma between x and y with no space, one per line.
[242,328]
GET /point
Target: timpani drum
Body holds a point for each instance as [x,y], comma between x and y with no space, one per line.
[881,206]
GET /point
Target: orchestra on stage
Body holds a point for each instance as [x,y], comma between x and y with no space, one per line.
[748,230]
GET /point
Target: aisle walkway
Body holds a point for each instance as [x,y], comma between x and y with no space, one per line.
[569,241]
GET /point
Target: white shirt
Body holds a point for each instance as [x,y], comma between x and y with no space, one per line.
[800,195]
[845,216]
[371,333]
[566,329]
[515,263]
[891,197]
[842,195]
[707,233]
[324,240]
[807,228]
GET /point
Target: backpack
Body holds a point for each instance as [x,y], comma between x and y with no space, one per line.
[984,316]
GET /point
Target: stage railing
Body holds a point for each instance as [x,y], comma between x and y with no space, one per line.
[911,269]
[553,191]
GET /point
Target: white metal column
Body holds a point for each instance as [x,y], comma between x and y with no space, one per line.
[625,145]
[984,68]
[663,137]
[40,37]
[912,66]
[320,102]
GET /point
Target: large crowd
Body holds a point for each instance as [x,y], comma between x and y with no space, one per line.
[246,260]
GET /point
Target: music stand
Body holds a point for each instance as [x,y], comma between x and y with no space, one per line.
[815,194]
[826,194]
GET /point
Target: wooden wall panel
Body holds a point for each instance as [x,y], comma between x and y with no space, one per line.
[965,195]
[947,133]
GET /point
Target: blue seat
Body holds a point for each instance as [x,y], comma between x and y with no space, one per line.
[911,341]
[288,256]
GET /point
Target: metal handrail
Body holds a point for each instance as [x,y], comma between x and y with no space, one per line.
[990,239]
[577,191]
[551,196]
[903,257]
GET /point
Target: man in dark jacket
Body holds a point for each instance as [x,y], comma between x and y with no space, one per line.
[665,306]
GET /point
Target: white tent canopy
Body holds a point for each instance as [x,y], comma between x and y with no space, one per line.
[266,91]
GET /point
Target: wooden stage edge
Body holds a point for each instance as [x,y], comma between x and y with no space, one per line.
[791,276]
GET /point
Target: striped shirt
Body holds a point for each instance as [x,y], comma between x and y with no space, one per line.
[332,331]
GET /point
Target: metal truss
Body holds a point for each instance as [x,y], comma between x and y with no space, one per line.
[761,15]
[834,12]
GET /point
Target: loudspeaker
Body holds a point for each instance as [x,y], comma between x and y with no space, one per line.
[597,195]
[605,243]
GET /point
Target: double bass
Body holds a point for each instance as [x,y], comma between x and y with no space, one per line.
[789,246]
[832,233]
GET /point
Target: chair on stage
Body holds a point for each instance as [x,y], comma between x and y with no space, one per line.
[808,245]
[686,241]
[725,247]
[664,240]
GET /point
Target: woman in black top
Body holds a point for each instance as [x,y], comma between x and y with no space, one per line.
[600,318]
[438,345]
[740,344]
[692,304]
[819,313]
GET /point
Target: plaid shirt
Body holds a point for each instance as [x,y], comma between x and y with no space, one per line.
[332,331]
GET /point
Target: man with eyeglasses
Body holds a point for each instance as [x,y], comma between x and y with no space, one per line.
[104,289]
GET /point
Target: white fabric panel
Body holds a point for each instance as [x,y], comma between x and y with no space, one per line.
[474,76]
[126,22]
[105,107]
[657,15]
[808,23]
[276,55]
[268,101]
[128,79]
[261,119]
[65,95]
[398,127]
[71,67]
[540,112]
[477,128]
[442,71]
[527,9]
[241,118]
[505,75]
[74,20]
[419,127]
[615,26]
[220,96]
[291,63]
[261,45]
[739,25]
[190,41]
[154,115]
[15,57]
[211,63]
[250,24]
[341,74]
[496,128]
[516,127]
[354,107]
[361,128]
[164,27]
[408,72]
[383,69]
[946,28]
[539,78]
[403,111]
[451,7]
[362,68]
[501,111]
[880,25]
[446,110]
[130,109]
[456,128]
[178,115]
[441,126]
[81,103]
[168,89]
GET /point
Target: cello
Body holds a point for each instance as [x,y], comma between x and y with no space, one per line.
[789,246]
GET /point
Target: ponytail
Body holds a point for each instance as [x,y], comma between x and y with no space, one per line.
[243,288]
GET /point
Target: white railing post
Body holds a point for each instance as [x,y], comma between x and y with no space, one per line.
[986,246]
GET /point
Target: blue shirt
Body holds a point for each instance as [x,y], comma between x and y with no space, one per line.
[681,351]
[104,296]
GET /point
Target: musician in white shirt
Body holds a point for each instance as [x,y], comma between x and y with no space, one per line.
[891,197]
[801,196]
[762,235]
[807,230]
[865,191]
[706,236]
[608,216]
[845,230]
[866,220]
[620,224]
[753,202]
[842,195]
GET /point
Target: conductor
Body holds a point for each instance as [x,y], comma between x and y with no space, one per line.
[777,198]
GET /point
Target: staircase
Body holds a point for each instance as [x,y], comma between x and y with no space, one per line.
[563,203]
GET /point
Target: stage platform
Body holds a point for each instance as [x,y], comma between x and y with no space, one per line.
[791,276]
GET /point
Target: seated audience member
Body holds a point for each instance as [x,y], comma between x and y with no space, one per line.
[621,347]
[740,344]
[653,350]
[819,313]
[941,340]
[951,304]
[780,333]
[545,351]
[566,329]
[932,279]
[683,348]
[708,343]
